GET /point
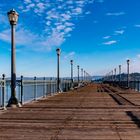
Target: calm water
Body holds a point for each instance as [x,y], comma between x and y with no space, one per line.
[29,93]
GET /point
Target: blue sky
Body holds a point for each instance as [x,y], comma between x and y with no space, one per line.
[97,34]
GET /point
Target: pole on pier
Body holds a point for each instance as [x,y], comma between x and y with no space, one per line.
[71,62]
[119,74]
[13,18]
[58,51]
[128,63]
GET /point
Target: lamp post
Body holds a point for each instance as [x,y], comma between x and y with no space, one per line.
[84,75]
[115,74]
[13,18]
[81,75]
[78,73]
[128,62]
[71,62]
[58,51]
[119,73]
[112,75]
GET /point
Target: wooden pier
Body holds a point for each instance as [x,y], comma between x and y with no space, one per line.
[94,112]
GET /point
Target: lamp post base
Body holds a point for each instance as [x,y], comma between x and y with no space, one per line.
[59,91]
[4,108]
[13,102]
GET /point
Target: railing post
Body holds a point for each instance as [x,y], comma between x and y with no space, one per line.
[138,85]
[3,91]
[35,88]
[135,84]
[65,83]
[47,89]
[55,85]
[44,87]
[51,86]
[21,89]
[62,85]
[69,85]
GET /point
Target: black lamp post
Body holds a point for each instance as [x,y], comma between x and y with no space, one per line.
[58,51]
[119,73]
[128,62]
[13,18]
[81,75]
[115,74]
[112,76]
[84,75]
[78,73]
[71,62]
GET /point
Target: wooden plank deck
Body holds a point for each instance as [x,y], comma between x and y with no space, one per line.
[89,113]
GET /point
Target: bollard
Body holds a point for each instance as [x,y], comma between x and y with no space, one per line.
[21,90]
[3,92]
[35,88]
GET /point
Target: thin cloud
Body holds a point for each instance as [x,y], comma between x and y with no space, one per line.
[55,19]
[137,25]
[69,55]
[33,41]
[115,14]
[106,37]
[110,42]
[119,32]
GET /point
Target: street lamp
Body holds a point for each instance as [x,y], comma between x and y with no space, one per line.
[78,73]
[13,18]
[112,75]
[81,75]
[71,62]
[84,75]
[115,74]
[58,51]
[119,73]
[128,62]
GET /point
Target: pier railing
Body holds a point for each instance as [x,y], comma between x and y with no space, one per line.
[32,89]
[2,93]
[133,84]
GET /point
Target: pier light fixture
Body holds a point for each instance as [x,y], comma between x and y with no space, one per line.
[13,18]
